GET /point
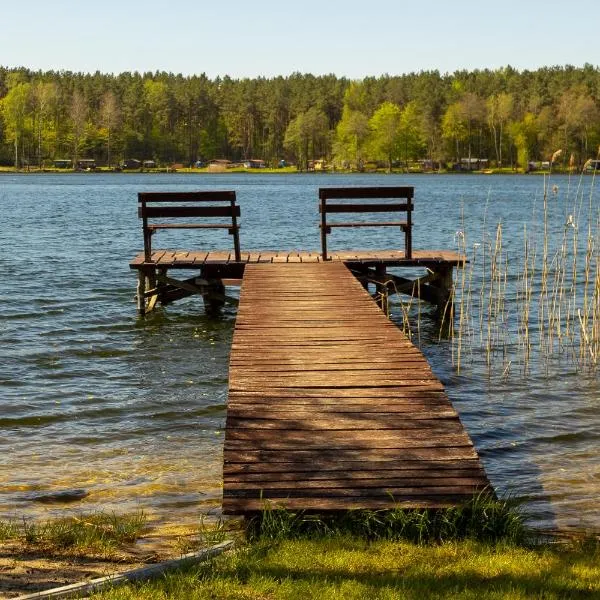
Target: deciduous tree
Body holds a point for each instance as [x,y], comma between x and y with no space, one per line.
[386,133]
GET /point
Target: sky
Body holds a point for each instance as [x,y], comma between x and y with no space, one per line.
[269,38]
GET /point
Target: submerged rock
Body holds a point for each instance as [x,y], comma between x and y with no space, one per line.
[58,497]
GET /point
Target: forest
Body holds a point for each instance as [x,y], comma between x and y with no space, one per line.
[502,118]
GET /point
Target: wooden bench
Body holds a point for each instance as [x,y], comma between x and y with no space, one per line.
[187,205]
[401,201]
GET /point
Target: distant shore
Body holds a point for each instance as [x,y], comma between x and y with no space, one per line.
[284,171]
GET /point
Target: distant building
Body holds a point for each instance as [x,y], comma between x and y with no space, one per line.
[254,163]
[130,163]
[63,163]
[86,164]
[149,164]
[473,164]
[219,164]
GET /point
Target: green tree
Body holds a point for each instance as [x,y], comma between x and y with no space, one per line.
[386,133]
[351,134]
[411,132]
[454,128]
[524,134]
[306,136]
[499,112]
[16,113]
[109,118]
[472,108]
[78,114]
[45,98]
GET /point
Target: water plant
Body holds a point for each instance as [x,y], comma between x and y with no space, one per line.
[533,303]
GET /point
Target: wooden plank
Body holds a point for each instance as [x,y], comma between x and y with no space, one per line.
[366,192]
[332,468]
[312,457]
[387,480]
[189,211]
[375,442]
[252,505]
[385,413]
[367,207]
[347,422]
[199,196]
[370,478]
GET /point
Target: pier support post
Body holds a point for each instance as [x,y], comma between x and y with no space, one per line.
[214,299]
[141,292]
[443,285]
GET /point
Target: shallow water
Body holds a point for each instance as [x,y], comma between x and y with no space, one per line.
[132,410]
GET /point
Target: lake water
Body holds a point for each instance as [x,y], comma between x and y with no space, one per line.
[132,410]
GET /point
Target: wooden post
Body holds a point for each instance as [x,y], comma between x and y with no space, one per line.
[408,231]
[443,283]
[141,291]
[214,300]
[324,232]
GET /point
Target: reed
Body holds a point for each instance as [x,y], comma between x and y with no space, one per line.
[543,290]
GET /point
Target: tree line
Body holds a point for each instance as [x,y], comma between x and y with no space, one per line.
[506,116]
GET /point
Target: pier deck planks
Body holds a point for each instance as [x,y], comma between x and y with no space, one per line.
[185,259]
[330,406]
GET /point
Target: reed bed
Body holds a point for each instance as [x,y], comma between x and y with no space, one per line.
[537,300]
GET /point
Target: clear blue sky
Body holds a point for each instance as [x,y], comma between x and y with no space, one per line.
[268,38]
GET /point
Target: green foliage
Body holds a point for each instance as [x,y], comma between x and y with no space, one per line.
[174,119]
[306,136]
[386,138]
[351,134]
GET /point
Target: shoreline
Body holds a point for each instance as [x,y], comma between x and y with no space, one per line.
[283,171]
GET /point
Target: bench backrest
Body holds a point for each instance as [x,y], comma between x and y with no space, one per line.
[187,205]
[399,199]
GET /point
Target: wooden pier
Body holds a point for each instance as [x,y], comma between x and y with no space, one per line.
[331,407]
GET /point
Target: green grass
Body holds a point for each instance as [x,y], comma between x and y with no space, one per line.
[97,531]
[484,518]
[352,568]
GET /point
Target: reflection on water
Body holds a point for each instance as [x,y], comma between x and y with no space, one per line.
[133,410]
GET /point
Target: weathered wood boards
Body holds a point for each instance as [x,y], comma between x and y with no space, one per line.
[330,406]
[185,259]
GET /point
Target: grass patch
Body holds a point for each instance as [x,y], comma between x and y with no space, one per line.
[209,532]
[98,531]
[352,568]
[484,518]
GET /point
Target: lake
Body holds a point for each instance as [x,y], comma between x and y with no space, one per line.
[132,410]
